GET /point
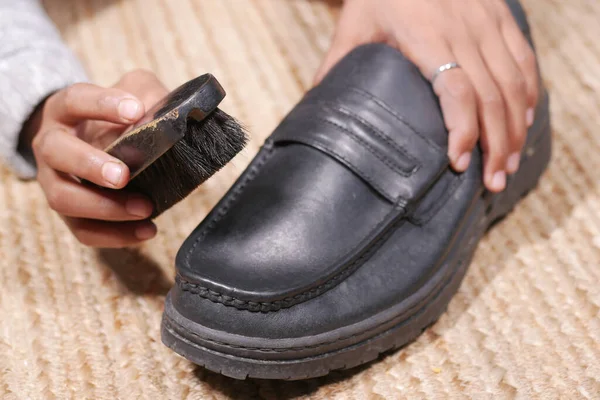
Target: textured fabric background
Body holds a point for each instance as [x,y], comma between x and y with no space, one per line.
[78,323]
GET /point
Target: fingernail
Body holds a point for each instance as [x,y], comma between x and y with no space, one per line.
[145,232]
[138,207]
[463,162]
[129,109]
[499,181]
[112,172]
[530,116]
[512,164]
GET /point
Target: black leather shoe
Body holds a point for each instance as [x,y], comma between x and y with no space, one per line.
[346,236]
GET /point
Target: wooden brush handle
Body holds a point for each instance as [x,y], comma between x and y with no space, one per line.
[165,124]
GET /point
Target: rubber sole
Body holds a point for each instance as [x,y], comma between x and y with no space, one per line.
[186,338]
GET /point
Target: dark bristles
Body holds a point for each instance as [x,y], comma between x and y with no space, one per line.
[207,146]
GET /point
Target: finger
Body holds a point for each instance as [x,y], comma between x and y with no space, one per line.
[459,108]
[523,56]
[511,83]
[491,113]
[100,134]
[143,84]
[110,234]
[457,100]
[65,152]
[350,33]
[84,101]
[73,199]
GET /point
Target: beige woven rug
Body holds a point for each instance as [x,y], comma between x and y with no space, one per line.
[77,323]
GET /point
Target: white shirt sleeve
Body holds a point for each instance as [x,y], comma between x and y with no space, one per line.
[34,63]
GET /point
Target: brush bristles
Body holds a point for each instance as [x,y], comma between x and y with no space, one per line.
[206,147]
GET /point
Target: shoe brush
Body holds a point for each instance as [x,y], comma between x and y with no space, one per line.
[179,143]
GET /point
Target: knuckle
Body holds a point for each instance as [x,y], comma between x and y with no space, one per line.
[460,87]
[430,34]
[105,105]
[83,238]
[56,199]
[78,229]
[519,138]
[467,135]
[492,100]
[75,227]
[471,144]
[91,167]
[527,57]
[499,150]
[516,86]
[37,145]
[137,75]
[143,72]
[533,70]
[465,142]
[519,143]
[497,156]
[107,209]
[483,18]
[533,97]
[471,136]
[531,73]
[503,12]
[41,146]
[70,98]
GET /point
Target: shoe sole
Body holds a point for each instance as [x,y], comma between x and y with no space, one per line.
[185,337]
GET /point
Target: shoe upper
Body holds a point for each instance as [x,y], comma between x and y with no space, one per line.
[347,209]
[335,175]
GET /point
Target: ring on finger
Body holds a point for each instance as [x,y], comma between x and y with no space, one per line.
[443,68]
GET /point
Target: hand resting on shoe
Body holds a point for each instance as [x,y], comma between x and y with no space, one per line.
[489,99]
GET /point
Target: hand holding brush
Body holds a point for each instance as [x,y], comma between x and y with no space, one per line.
[182,141]
[69,133]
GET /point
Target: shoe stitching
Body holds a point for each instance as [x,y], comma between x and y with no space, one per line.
[390,164]
[287,302]
[389,109]
[431,296]
[277,304]
[236,192]
[437,205]
[381,134]
[373,129]
[420,306]
[270,147]
[400,118]
[367,177]
[248,178]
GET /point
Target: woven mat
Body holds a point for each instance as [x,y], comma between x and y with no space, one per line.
[79,323]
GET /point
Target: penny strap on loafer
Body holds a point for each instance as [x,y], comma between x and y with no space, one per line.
[370,138]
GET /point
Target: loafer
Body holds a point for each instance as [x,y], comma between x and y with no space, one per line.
[346,236]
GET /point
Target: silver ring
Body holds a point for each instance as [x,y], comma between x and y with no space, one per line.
[443,68]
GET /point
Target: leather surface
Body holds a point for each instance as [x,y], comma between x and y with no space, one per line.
[349,208]
[306,212]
